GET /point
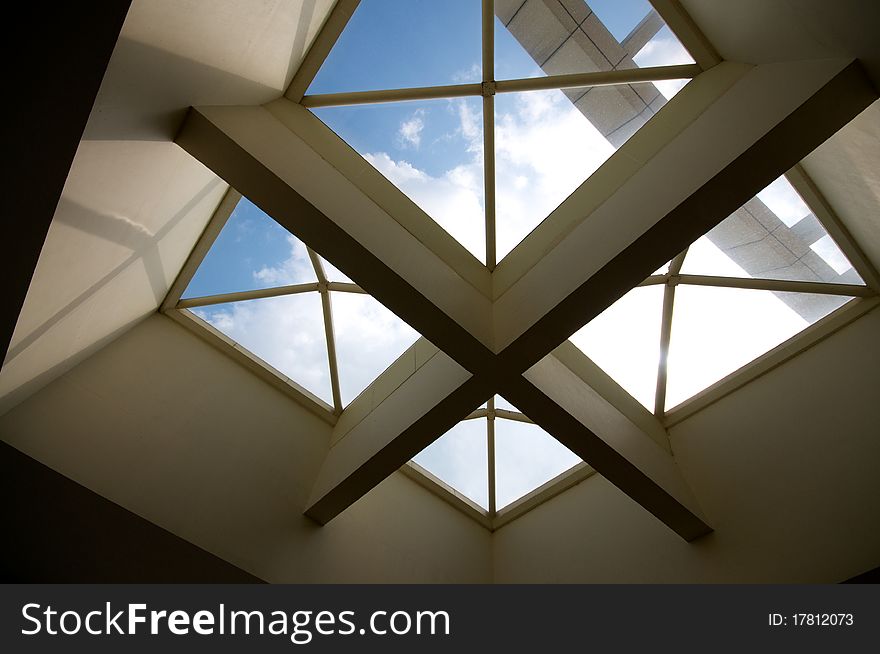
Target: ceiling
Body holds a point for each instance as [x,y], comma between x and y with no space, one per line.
[134,203]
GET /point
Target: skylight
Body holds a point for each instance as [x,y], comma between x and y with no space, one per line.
[734,294]
[504,136]
[489,190]
[262,288]
[525,457]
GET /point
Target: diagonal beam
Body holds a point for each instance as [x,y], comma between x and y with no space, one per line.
[770,118]
[258,155]
[560,402]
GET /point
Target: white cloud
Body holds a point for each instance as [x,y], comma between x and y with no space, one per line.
[468,75]
[296,269]
[287,332]
[545,148]
[409,134]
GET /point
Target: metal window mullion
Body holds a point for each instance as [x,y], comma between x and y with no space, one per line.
[327,310]
[490,451]
[666,334]
[619,77]
[242,296]
[488,76]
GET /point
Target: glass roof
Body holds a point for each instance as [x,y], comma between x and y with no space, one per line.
[292,333]
[430,150]
[526,457]
[716,329]
[546,142]
[251,252]
[287,332]
[391,45]
[695,321]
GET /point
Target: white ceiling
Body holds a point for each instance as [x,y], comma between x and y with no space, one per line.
[134,203]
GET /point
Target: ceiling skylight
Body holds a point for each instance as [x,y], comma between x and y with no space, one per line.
[459,458]
[264,290]
[716,331]
[719,314]
[251,252]
[545,140]
[287,332]
[624,340]
[430,150]
[525,456]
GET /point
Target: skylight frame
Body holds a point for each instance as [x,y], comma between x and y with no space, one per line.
[703,54]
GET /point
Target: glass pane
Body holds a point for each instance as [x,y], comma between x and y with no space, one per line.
[772,236]
[333,273]
[501,403]
[620,17]
[544,149]
[251,252]
[388,45]
[664,49]
[525,458]
[287,332]
[368,337]
[624,340]
[716,331]
[528,38]
[432,151]
[460,458]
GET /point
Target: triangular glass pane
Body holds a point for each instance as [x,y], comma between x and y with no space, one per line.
[716,331]
[389,45]
[624,340]
[287,332]
[501,403]
[525,458]
[432,151]
[368,337]
[544,149]
[772,236]
[459,458]
[252,252]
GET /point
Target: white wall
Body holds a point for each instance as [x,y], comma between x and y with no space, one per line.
[161,423]
[786,469]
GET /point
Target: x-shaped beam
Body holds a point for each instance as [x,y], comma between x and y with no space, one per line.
[723,138]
